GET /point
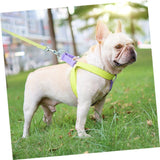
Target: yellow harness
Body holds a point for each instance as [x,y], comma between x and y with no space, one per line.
[88,67]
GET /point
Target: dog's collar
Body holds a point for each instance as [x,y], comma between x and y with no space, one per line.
[91,68]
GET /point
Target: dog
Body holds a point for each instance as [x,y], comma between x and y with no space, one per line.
[50,86]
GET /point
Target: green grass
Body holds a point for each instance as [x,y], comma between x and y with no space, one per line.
[129,118]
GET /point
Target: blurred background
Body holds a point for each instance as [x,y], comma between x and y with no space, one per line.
[69,28]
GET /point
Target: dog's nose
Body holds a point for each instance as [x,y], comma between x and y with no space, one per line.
[133,55]
[133,58]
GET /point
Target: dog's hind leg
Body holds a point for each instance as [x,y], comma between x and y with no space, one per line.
[29,109]
[98,109]
[49,108]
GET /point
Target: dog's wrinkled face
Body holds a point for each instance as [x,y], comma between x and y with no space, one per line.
[117,48]
[121,50]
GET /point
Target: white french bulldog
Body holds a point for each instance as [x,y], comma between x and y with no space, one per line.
[50,86]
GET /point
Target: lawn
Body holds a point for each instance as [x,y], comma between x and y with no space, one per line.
[129,118]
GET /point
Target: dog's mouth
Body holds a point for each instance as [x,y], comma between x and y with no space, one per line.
[132,60]
[117,64]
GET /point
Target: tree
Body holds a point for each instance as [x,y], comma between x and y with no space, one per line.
[71,30]
[52,34]
[137,11]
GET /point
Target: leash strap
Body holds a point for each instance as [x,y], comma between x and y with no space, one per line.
[88,67]
[45,48]
[70,59]
[25,39]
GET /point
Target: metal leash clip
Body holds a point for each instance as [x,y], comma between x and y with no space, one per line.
[57,53]
[68,58]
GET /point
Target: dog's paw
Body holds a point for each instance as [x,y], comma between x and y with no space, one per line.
[83,135]
[25,136]
[47,120]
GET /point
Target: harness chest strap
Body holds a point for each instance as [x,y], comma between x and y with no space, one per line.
[88,67]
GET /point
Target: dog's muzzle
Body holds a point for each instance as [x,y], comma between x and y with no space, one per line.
[131,58]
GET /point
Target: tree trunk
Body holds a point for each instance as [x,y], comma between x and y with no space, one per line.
[52,34]
[133,30]
[72,35]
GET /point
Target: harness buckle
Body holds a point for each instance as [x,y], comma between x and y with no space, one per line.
[70,59]
[112,81]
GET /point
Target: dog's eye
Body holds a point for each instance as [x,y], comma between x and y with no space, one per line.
[119,46]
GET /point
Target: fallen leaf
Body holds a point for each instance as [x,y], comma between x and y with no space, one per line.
[136,138]
[149,99]
[127,90]
[142,96]
[14,141]
[54,149]
[149,122]
[126,97]
[111,107]
[113,103]
[92,117]
[86,152]
[153,134]
[128,112]
[87,129]
[17,97]
[108,100]
[127,105]
[70,132]
[20,120]
[138,102]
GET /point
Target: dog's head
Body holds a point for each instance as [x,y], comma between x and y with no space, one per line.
[117,48]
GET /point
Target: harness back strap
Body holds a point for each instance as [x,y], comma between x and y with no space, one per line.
[88,67]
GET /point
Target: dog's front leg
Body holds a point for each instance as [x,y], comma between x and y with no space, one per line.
[98,109]
[82,112]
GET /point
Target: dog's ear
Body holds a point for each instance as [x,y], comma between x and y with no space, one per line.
[119,27]
[102,31]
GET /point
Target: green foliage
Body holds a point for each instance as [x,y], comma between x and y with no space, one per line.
[138,29]
[137,5]
[129,118]
[82,11]
[138,11]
